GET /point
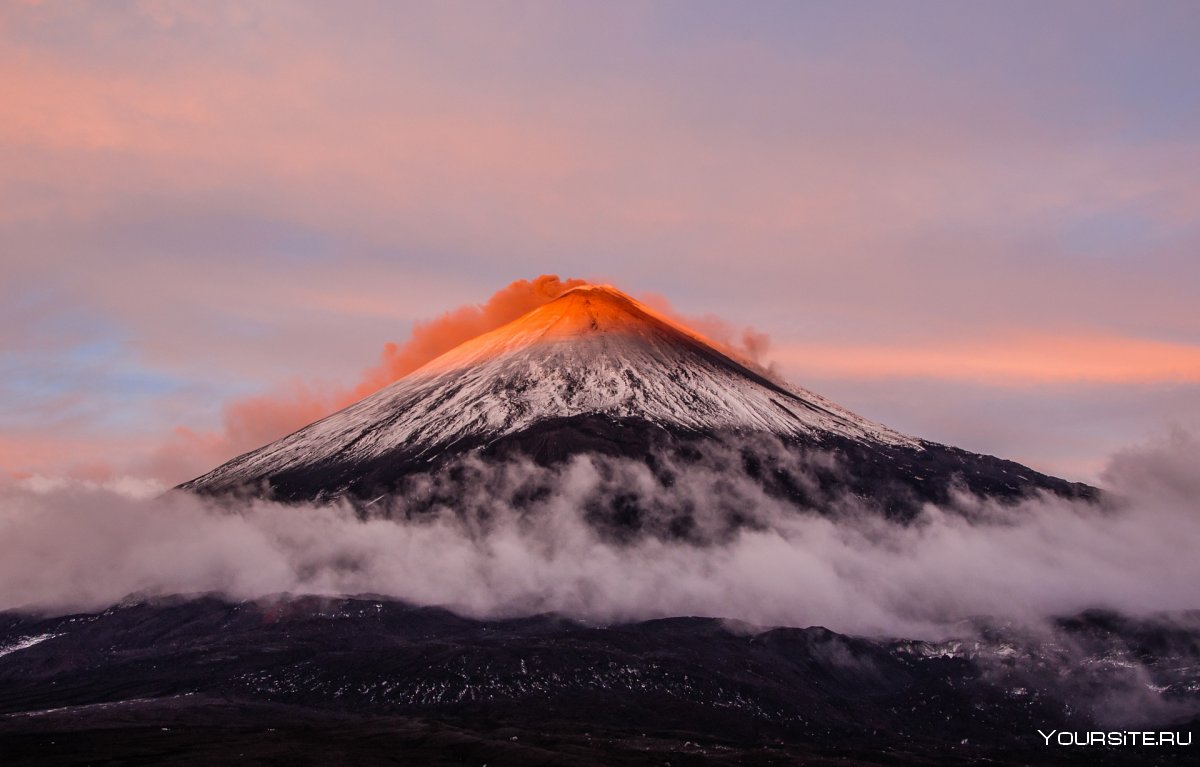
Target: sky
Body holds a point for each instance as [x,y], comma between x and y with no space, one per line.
[975,222]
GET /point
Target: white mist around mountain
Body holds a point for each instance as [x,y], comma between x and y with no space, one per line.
[64,548]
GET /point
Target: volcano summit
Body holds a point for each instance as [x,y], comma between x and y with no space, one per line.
[596,372]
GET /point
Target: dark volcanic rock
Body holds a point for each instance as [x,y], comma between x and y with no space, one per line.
[202,681]
[813,474]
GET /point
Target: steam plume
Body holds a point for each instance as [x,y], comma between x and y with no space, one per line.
[250,422]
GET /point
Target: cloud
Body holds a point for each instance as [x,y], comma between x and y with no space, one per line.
[517,539]
[433,338]
[253,421]
[250,422]
[746,342]
[1021,360]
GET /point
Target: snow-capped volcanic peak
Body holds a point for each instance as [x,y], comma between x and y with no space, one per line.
[580,312]
[592,351]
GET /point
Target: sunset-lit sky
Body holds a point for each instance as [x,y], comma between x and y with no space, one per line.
[975,222]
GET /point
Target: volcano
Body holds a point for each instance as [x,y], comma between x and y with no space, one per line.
[690,442]
[595,372]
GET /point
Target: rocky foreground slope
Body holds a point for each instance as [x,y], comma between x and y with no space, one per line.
[365,681]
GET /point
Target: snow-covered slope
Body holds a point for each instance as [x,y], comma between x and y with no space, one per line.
[592,351]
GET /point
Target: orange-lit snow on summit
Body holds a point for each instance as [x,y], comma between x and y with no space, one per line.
[593,351]
[579,311]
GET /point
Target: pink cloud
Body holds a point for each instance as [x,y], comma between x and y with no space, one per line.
[1016,360]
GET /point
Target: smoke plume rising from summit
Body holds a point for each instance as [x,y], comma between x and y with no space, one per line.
[255,420]
[249,422]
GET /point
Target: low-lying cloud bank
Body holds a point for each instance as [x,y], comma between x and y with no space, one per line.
[65,547]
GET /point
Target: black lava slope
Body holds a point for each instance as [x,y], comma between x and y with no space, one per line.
[362,681]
